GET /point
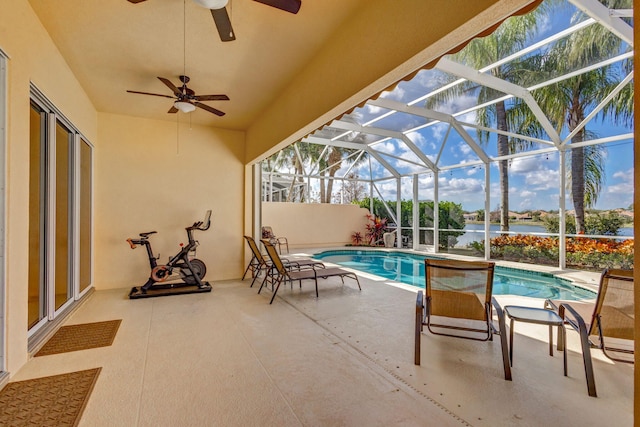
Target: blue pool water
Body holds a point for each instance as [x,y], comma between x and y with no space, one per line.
[409,269]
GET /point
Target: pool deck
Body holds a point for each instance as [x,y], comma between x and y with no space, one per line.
[229,358]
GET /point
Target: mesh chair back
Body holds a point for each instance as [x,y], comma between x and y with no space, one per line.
[275,258]
[255,250]
[459,289]
[614,306]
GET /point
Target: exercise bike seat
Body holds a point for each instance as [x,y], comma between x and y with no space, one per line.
[145,235]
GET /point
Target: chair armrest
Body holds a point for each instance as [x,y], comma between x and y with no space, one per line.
[284,239]
[499,313]
[575,320]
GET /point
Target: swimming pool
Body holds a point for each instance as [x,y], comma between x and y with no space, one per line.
[409,269]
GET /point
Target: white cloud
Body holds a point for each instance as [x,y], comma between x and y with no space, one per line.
[459,103]
[525,204]
[464,148]
[389,147]
[624,175]
[527,193]
[438,131]
[398,94]
[373,109]
[421,141]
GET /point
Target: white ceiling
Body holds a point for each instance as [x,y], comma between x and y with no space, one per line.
[114,46]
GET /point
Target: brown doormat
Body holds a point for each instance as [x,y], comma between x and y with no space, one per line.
[50,401]
[81,337]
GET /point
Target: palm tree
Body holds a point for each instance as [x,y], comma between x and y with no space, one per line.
[511,37]
[567,102]
[335,157]
[287,158]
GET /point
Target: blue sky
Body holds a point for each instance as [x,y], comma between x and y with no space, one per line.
[534,181]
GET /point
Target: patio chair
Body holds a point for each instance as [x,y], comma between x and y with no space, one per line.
[458,303]
[267,233]
[308,272]
[610,316]
[259,263]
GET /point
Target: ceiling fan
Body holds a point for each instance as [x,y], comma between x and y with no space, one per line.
[186,99]
[221,17]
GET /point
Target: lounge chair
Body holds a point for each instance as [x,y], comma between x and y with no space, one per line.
[309,272]
[610,316]
[267,233]
[458,303]
[259,263]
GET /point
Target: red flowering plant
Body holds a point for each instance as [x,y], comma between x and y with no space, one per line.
[376,227]
[356,238]
[582,252]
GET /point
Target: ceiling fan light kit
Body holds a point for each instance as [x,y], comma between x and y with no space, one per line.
[185,99]
[185,107]
[212,4]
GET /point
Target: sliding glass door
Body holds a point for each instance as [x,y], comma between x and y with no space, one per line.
[37,308]
[60,214]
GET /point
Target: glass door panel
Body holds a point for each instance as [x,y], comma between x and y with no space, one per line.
[36,290]
[63,286]
[85,250]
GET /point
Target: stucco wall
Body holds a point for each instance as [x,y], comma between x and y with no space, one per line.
[314,225]
[153,176]
[32,58]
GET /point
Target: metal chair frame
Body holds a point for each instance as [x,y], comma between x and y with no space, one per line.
[424,310]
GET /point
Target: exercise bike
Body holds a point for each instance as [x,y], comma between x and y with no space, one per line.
[183,265]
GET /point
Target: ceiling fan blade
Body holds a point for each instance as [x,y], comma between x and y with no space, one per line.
[292,6]
[209,109]
[211,98]
[172,110]
[223,24]
[136,1]
[147,93]
[171,86]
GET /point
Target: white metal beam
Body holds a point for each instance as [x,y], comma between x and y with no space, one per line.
[504,86]
[387,133]
[600,12]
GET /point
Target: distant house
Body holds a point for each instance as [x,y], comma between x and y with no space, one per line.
[624,213]
[523,216]
[472,216]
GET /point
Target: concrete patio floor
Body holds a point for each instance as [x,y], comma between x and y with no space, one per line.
[228,358]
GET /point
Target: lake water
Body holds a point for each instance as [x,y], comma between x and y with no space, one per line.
[478,235]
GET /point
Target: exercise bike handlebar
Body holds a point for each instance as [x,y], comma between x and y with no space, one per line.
[198,225]
[202,225]
[132,243]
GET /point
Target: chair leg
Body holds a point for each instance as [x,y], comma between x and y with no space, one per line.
[418,328]
[255,276]
[588,365]
[503,339]
[251,264]
[275,291]
[563,336]
[505,352]
[511,325]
